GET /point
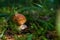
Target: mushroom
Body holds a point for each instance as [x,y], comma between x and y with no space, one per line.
[21,20]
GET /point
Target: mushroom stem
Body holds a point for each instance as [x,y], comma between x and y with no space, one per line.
[22,27]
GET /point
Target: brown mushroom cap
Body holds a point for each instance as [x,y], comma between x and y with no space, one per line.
[19,18]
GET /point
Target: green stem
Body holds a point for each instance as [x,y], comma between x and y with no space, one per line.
[58,22]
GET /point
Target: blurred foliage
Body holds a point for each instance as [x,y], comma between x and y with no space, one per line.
[40,14]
